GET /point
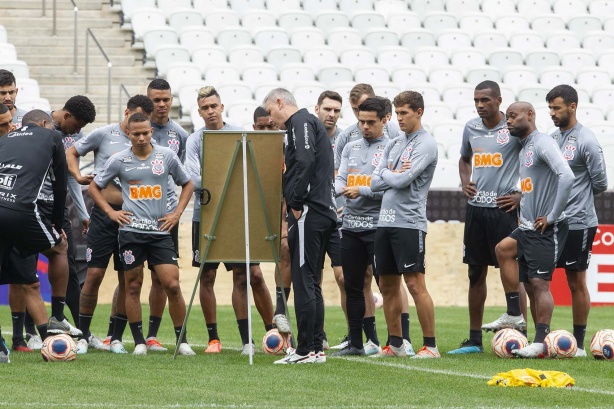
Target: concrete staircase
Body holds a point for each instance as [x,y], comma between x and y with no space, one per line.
[50,58]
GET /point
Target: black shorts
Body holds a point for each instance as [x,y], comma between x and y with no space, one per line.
[19,270]
[484,228]
[357,250]
[30,233]
[196,252]
[334,248]
[136,248]
[399,250]
[102,240]
[577,251]
[538,253]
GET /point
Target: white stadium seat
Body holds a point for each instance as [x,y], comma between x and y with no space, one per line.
[244,6]
[597,41]
[343,38]
[358,56]
[453,39]
[423,7]
[513,23]
[35,103]
[3,35]
[533,93]
[477,74]
[473,23]
[378,38]
[606,61]
[219,19]
[271,37]
[553,76]
[195,37]
[569,8]
[408,75]
[209,55]
[517,75]
[602,97]
[221,74]
[430,93]
[318,57]
[588,114]
[234,91]
[232,36]
[241,111]
[449,131]
[261,90]
[462,7]
[496,8]
[19,68]
[352,6]
[279,6]
[464,58]
[146,19]
[294,74]
[601,8]
[197,121]
[331,19]
[390,8]
[130,7]
[508,96]
[604,132]
[7,52]
[169,6]
[205,6]
[307,37]
[291,20]
[593,78]
[402,22]
[526,41]
[583,24]
[254,19]
[185,18]
[315,6]
[444,76]
[453,150]
[504,58]
[188,94]
[542,117]
[457,95]
[256,74]
[417,38]
[179,74]
[575,58]
[439,21]
[280,56]
[547,23]
[364,20]
[489,40]
[306,94]
[394,57]
[154,38]
[243,55]
[28,89]
[328,75]
[466,112]
[387,90]
[430,56]
[540,58]
[167,54]
[562,40]
[533,7]
[371,74]
[446,174]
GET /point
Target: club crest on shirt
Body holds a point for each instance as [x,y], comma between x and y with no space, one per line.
[115,133]
[377,157]
[128,257]
[127,159]
[503,136]
[479,126]
[172,133]
[406,153]
[158,166]
[173,144]
[569,152]
[528,160]
[68,142]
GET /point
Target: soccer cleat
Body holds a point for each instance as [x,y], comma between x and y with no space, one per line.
[580,353]
[506,321]
[35,342]
[73,331]
[20,345]
[282,324]
[82,346]
[214,347]
[427,352]
[117,347]
[320,358]
[352,350]
[409,349]
[154,345]
[293,358]
[371,348]
[344,342]
[107,341]
[535,350]
[97,344]
[139,349]
[248,349]
[325,345]
[4,358]
[185,349]
[467,347]
[390,351]
[55,327]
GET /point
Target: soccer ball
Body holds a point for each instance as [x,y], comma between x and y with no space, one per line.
[602,344]
[560,344]
[273,342]
[506,340]
[378,300]
[59,348]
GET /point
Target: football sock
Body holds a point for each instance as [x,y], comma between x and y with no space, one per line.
[279,303]
[541,330]
[429,342]
[29,323]
[579,332]
[57,307]
[84,323]
[243,331]
[18,322]
[154,326]
[513,303]
[368,326]
[405,326]
[475,336]
[269,327]
[111,326]
[212,331]
[184,339]
[137,332]
[42,331]
[120,325]
[396,342]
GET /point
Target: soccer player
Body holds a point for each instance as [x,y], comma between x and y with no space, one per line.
[488,150]
[170,134]
[308,189]
[144,233]
[404,174]
[210,108]
[6,124]
[360,216]
[262,121]
[8,92]
[585,157]
[102,233]
[546,182]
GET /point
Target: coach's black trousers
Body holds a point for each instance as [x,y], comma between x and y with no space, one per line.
[307,238]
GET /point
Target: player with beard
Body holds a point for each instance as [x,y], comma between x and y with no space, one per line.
[8,93]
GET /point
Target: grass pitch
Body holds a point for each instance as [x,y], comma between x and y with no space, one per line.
[104,380]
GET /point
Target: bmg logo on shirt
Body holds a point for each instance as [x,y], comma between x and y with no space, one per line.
[526,185]
[487,160]
[359,180]
[146,192]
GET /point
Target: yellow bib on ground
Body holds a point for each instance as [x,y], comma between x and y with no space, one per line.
[532,377]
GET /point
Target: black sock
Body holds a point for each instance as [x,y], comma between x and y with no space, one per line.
[137,332]
[120,325]
[84,324]
[405,326]
[513,303]
[154,326]
[19,319]
[368,326]
[279,303]
[243,331]
[57,307]
[269,327]
[541,330]
[429,342]
[111,326]
[579,332]
[184,339]
[29,323]
[42,331]
[212,331]
[475,336]
[396,342]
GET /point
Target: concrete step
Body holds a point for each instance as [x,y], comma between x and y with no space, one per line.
[67,49]
[60,73]
[60,5]
[95,58]
[104,38]
[25,22]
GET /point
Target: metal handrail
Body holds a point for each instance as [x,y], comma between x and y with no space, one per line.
[89,33]
[119,102]
[54,30]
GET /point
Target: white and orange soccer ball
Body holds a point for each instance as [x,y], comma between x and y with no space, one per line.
[274,343]
[59,348]
[378,300]
[560,344]
[602,344]
[506,340]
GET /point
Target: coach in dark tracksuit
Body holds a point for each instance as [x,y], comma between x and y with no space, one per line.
[308,189]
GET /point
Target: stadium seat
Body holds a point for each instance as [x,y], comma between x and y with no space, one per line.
[602,97]
[583,24]
[593,78]
[188,94]
[234,91]
[429,92]
[146,19]
[508,96]
[441,151]
[466,112]
[280,56]
[261,90]
[533,93]
[610,176]
[446,174]
[408,75]
[472,23]
[489,40]
[445,76]
[608,24]
[427,6]
[378,38]
[553,76]
[195,37]
[318,57]
[256,74]
[575,58]
[478,73]
[569,8]
[540,58]
[167,54]
[328,75]
[449,131]
[343,38]
[306,37]
[534,7]
[180,19]
[170,6]
[7,52]
[387,90]
[430,56]
[601,8]
[589,114]
[28,89]
[179,74]
[497,8]
[245,6]
[517,75]
[222,74]
[306,94]
[344,88]
[279,6]
[330,19]
[461,7]
[209,55]
[219,19]
[542,117]
[604,132]
[130,7]
[291,20]
[606,61]
[19,68]
[241,112]
[271,37]
[596,41]
[35,103]
[416,38]
[255,19]
[294,74]
[510,24]
[453,150]
[584,94]
[157,37]
[205,6]
[243,55]
[352,6]
[453,39]
[356,57]
[390,8]
[457,95]
[504,58]
[402,22]
[365,20]
[464,58]
[436,113]
[315,6]
[3,35]
[370,74]
[526,41]
[394,57]
[439,21]
[197,121]
[562,40]
[233,36]
[546,24]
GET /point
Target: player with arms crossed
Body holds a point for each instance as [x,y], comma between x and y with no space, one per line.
[143,172]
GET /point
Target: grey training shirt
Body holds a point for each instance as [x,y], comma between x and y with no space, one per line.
[353,133]
[18,117]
